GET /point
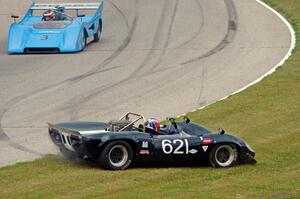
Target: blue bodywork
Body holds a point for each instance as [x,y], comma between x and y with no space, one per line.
[32,34]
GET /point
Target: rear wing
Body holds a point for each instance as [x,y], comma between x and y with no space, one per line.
[68,6]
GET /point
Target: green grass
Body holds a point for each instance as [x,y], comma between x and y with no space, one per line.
[267,115]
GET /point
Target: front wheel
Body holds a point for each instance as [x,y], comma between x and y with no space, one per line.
[84,39]
[223,155]
[117,155]
[97,35]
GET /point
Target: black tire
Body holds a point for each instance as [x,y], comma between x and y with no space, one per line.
[97,35]
[223,155]
[117,155]
[84,37]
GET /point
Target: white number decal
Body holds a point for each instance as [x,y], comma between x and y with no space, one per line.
[168,148]
[176,151]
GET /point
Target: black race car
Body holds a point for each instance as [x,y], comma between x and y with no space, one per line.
[118,144]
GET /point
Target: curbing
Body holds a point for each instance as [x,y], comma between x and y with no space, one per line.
[289,53]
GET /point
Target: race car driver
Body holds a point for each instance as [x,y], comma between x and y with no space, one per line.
[59,13]
[48,15]
[152,126]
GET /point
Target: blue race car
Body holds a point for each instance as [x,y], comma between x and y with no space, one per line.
[36,33]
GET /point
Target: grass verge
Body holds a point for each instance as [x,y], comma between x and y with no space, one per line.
[267,115]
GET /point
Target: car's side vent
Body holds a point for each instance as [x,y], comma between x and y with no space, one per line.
[41,50]
[64,139]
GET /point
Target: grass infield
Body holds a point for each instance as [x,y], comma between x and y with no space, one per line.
[267,115]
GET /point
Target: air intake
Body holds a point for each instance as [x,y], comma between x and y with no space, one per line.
[41,50]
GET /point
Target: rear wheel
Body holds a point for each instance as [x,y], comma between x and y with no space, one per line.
[117,155]
[223,155]
[97,35]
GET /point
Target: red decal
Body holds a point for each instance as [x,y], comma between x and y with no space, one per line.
[207,140]
[144,152]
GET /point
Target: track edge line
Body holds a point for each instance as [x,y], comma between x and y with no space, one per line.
[272,70]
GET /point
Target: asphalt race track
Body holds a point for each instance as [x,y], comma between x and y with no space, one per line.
[159,58]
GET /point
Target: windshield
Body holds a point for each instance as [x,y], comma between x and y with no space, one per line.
[51,24]
[193,129]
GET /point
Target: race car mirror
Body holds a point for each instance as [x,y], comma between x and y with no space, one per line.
[171,119]
[81,17]
[221,131]
[186,119]
[14,17]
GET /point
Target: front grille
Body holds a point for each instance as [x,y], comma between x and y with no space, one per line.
[41,50]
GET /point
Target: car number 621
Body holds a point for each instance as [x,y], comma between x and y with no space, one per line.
[182,148]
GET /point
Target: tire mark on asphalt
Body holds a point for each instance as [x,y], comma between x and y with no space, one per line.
[16,100]
[166,44]
[74,106]
[154,85]
[229,37]
[156,37]
[3,135]
[116,53]
[199,28]
[190,39]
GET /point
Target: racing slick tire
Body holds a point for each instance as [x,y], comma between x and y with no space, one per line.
[97,35]
[84,38]
[223,155]
[116,155]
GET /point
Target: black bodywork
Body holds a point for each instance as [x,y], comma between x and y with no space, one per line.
[189,142]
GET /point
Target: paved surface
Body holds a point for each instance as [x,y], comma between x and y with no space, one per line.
[159,58]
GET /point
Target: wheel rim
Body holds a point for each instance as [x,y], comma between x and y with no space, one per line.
[224,155]
[118,155]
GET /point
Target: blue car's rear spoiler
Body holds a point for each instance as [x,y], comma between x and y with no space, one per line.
[67,6]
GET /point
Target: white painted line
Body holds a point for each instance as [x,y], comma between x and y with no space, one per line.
[289,53]
[92,132]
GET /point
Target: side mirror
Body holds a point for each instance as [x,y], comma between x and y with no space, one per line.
[171,119]
[186,119]
[221,131]
[15,17]
[81,17]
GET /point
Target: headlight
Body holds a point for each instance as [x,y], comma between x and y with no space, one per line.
[249,147]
